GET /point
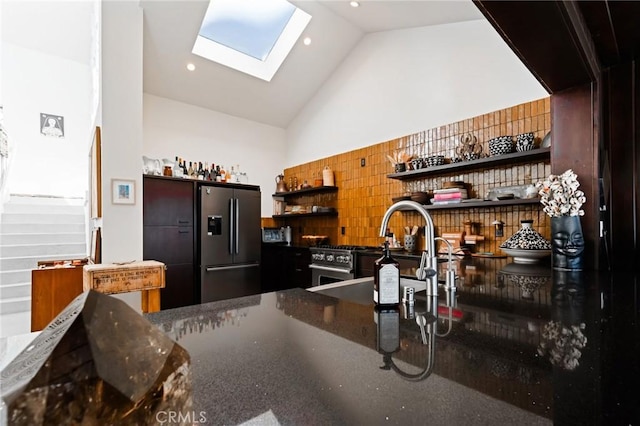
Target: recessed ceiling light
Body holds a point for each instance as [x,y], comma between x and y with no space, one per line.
[354,4]
[307,41]
[191,67]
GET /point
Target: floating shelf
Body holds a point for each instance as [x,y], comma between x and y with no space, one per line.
[471,204]
[307,191]
[297,215]
[482,163]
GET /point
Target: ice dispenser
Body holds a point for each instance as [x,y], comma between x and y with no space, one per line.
[214,225]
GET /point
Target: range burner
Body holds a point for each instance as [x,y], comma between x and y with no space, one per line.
[332,263]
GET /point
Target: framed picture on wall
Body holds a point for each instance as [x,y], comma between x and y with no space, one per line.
[52,125]
[123,191]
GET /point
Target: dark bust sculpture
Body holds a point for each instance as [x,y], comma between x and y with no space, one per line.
[567,242]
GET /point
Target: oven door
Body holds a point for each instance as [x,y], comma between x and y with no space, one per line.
[321,274]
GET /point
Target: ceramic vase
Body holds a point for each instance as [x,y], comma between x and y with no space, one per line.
[567,243]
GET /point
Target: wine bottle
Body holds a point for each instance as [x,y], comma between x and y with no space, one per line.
[190,169]
[206,171]
[386,280]
[200,171]
[223,174]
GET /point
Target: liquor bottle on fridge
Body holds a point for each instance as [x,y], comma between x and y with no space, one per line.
[194,173]
[200,171]
[229,242]
[223,174]
[386,280]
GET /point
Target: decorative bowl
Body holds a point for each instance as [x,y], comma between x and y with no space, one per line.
[525,137]
[524,142]
[501,145]
[434,160]
[417,163]
[314,240]
[526,255]
[526,238]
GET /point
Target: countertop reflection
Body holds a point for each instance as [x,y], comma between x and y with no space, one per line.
[512,351]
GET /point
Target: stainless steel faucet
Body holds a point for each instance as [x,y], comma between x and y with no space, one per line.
[429,264]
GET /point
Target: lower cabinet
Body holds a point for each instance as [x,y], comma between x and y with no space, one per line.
[297,271]
[284,267]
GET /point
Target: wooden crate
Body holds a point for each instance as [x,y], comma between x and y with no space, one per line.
[147,276]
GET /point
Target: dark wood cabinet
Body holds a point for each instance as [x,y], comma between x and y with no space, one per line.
[297,271]
[168,202]
[272,267]
[285,267]
[168,236]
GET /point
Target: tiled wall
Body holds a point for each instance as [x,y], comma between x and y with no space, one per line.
[365,192]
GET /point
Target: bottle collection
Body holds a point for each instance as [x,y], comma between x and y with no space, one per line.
[202,171]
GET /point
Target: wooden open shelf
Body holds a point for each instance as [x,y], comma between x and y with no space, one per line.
[296,215]
[482,163]
[471,204]
[306,191]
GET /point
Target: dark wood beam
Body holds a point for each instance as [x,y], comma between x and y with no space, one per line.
[575,146]
[542,35]
[614,29]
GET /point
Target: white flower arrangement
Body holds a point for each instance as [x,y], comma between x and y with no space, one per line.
[563,344]
[560,195]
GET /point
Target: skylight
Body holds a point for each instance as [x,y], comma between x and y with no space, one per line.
[252,36]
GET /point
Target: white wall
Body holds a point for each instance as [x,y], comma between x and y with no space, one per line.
[121,120]
[173,129]
[395,83]
[36,79]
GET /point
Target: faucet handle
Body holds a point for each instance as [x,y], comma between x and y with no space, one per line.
[424,273]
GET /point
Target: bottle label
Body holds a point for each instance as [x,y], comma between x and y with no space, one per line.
[389,284]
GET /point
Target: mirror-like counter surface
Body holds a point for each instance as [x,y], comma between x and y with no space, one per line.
[510,354]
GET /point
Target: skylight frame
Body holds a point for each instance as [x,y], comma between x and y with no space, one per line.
[266,69]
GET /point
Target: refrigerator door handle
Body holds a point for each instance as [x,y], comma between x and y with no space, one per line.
[225,268]
[232,225]
[237,223]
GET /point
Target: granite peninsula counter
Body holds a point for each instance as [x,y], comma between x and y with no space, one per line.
[304,358]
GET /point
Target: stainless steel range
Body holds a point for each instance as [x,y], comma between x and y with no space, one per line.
[330,264]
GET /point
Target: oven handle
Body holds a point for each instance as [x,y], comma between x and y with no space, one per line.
[330,269]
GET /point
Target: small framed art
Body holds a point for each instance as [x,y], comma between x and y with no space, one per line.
[123,191]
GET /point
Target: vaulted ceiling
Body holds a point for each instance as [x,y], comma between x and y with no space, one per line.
[170,28]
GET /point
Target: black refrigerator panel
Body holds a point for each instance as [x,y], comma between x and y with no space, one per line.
[216,226]
[248,236]
[221,283]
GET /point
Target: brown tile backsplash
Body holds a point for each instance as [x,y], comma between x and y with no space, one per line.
[365,192]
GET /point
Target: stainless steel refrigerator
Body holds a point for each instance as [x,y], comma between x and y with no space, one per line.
[229,242]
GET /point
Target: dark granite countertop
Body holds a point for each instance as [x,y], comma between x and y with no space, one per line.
[305,358]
